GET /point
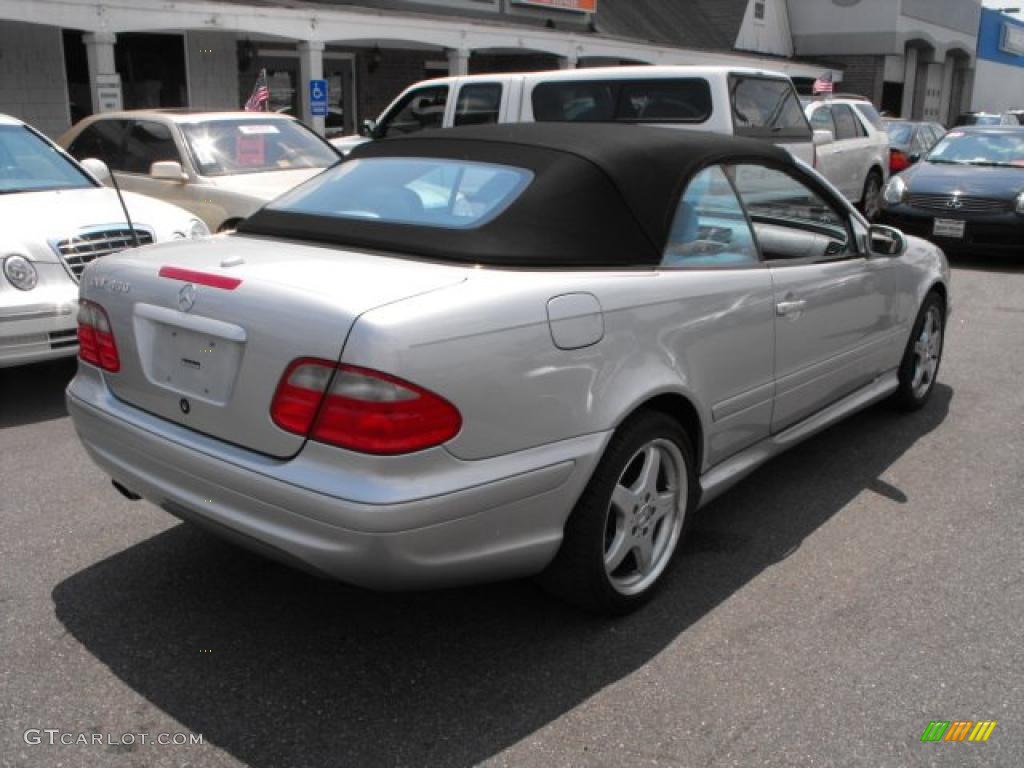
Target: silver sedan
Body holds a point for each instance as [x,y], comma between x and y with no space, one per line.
[501,351]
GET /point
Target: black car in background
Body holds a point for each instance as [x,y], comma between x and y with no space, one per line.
[986,118]
[966,194]
[910,141]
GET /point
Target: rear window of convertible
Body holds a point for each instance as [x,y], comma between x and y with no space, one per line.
[429,192]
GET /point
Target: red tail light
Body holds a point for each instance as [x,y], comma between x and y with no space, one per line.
[96,344]
[898,161]
[361,409]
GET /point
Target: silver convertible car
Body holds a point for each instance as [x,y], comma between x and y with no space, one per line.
[501,351]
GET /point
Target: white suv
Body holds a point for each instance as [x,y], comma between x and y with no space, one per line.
[756,103]
[856,160]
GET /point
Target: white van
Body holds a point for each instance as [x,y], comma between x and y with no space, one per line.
[737,101]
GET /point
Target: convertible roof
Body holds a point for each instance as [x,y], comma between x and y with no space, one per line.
[603,195]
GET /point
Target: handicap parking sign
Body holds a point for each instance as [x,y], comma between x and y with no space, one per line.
[318,98]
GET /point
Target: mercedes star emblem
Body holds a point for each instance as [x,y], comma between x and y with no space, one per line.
[187,297]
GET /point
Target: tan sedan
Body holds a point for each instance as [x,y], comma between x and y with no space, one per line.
[222,166]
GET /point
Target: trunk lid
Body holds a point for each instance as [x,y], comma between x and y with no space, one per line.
[210,358]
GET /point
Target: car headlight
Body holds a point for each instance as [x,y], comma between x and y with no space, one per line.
[197,229]
[895,191]
[20,272]
[1020,203]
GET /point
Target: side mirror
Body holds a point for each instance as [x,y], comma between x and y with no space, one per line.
[168,170]
[368,129]
[914,157]
[97,168]
[886,241]
[823,136]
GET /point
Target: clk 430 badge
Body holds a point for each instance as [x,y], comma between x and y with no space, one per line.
[114,286]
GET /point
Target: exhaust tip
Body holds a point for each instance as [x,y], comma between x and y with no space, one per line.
[130,495]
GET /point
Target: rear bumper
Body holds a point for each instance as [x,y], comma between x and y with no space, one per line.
[40,330]
[472,521]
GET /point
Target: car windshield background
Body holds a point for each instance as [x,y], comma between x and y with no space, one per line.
[232,146]
[29,164]
[791,220]
[765,107]
[1004,149]
[710,228]
[900,133]
[429,192]
[623,101]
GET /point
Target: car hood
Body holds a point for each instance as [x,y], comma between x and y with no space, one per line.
[973,180]
[264,186]
[33,219]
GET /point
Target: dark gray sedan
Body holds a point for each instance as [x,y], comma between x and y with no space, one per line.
[968,193]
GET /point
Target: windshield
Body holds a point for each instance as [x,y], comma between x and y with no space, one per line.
[225,147]
[962,148]
[30,164]
[900,133]
[450,194]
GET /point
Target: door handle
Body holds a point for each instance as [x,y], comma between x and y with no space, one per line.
[790,307]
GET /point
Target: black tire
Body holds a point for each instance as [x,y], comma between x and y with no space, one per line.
[914,392]
[578,573]
[872,189]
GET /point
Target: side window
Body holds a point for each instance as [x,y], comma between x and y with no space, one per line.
[575,102]
[710,228]
[661,100]
[421,109]
[791,220]
[147,143]
[870,114]
[821,120]
[478,104]
[847,126]
[102,140]
[764,107]
[652,101]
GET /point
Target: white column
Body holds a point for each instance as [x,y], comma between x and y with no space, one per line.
[571,61]
[909,83]
[104,82]
[311,67]
[946,113]
[458,62]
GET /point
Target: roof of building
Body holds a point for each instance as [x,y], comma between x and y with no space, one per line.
[603,195]
[708,24]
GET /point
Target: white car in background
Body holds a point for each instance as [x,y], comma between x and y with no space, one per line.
[734,101]
[856,161]
[57,217]
[222,166]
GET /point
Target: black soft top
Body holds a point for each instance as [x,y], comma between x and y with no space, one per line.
[603,195]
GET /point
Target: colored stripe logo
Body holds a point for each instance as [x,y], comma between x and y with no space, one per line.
[958,730]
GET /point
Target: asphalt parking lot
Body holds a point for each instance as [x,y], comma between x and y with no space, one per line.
[822,613]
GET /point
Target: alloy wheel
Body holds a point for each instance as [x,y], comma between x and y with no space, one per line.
[645,516]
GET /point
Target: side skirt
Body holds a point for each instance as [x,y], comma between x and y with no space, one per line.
[719,479]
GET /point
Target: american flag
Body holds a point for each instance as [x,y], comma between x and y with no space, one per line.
[259,101]
[823,84]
